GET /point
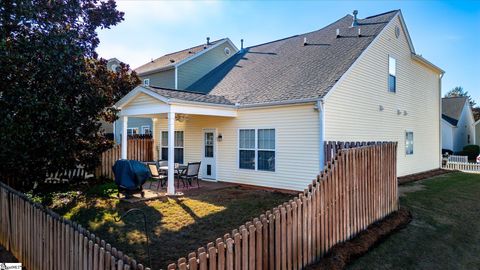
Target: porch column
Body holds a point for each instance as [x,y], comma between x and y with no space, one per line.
[124,137]
[154,137]
[171,153]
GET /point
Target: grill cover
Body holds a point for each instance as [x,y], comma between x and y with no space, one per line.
[130,174]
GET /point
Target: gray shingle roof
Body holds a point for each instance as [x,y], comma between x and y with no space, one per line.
[452,108]
[285,70]
[166,60]
[189,96]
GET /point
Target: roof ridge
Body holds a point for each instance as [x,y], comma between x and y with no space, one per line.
[211,43]
[457,97]
[297,35]
[384,13]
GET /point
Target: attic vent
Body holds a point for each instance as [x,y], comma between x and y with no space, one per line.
[172,61]
[189,51]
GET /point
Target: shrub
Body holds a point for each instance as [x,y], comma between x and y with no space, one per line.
[471,151]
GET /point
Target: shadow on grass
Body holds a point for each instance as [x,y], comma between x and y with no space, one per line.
[176,226]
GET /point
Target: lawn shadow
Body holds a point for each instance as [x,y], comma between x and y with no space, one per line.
[176,225]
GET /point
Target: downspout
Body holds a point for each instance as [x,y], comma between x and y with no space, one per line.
[321,133]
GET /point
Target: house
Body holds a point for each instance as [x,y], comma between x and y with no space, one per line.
[477,132]
[458,127]
[178,70]
[262,117]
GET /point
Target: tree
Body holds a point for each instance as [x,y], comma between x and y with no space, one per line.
[458,91]
[53,88]
[476,113]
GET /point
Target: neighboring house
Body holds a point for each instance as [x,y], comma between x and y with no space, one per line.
[262,117]
[178,70]
[458,127]
[477,132]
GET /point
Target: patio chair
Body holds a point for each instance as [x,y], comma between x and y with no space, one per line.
[190,173]
[156,175]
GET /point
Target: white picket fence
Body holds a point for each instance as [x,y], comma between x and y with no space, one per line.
[462,159]
[462,166]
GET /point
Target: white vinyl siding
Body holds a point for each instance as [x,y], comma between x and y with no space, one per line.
[352,108]
[296,161]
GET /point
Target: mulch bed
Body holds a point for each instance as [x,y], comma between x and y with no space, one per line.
[6,257]
[421,176]
[343,254]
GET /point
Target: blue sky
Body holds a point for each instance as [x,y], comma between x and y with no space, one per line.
[445,32]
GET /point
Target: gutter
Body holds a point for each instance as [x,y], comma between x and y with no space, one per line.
[424,61]
[277,103]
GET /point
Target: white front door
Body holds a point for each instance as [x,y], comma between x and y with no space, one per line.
[209,154]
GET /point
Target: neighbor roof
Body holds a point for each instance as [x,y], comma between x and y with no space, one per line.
[286,70]
[452,108]
[189,95]
[169,60]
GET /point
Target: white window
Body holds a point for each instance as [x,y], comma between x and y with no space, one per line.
[146,82]
[247,149]
[132,131]
[178,144]
[409,143]
[146,130]
[392,74]
[257,149]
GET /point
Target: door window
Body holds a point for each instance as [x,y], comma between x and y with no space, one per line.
[209,144]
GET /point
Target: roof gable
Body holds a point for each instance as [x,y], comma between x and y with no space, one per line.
[171,60]
[286,70]
[452,108]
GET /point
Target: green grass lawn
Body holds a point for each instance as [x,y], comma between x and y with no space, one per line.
[444,232]
[177,226]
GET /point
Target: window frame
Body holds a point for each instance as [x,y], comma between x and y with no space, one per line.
[256,149]
[133,128]
[146,82]
[143,129]
[393,75]
[174,145]
[413,142]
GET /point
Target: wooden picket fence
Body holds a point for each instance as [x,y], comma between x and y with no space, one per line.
[331,148]
[42,240]
[462,166]
[357,188]
[139,148]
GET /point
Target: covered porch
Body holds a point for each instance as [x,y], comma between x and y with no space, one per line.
[172,112]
